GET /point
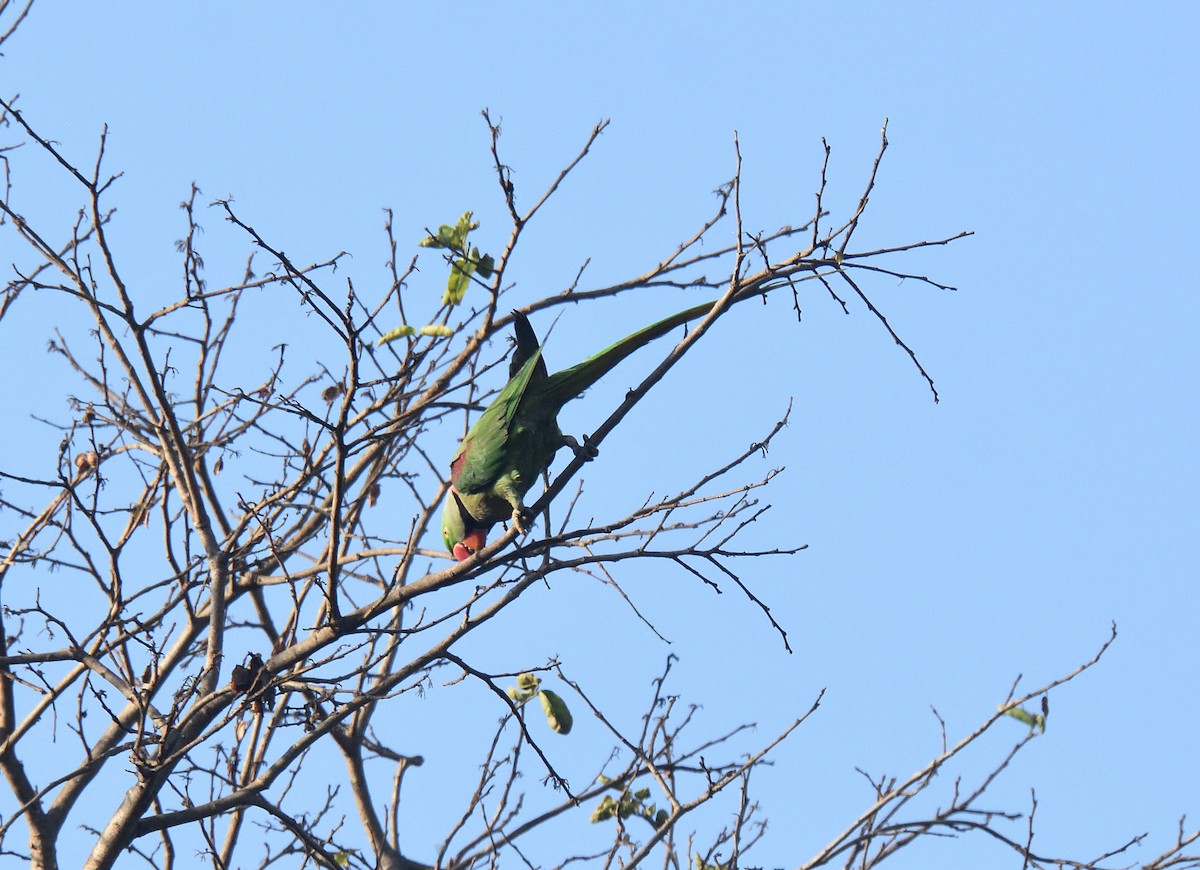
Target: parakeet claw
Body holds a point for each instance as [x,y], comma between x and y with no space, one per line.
[587,449]
[521,520]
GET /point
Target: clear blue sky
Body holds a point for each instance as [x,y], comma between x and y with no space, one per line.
[952,546]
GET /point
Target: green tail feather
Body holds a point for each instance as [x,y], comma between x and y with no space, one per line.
[561,387]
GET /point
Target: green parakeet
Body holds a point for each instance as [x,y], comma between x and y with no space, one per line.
[515,439]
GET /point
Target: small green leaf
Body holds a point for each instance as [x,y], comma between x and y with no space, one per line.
[437,329]
[526,687]
[660,819]
[458,282]
[604,811]
[464,261]
[444,239]
[398,332]
[557,713]
[463,227]
[1036,722]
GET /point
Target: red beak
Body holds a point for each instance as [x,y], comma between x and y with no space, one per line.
[474,541]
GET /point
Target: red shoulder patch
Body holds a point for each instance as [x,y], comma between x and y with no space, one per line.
[457,464]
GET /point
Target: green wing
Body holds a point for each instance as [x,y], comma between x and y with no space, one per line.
[484,455]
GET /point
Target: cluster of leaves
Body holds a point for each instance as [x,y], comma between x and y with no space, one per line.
[529,686]
[628,805]
[464,261]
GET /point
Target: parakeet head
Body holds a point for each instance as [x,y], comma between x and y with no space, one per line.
[461,533]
